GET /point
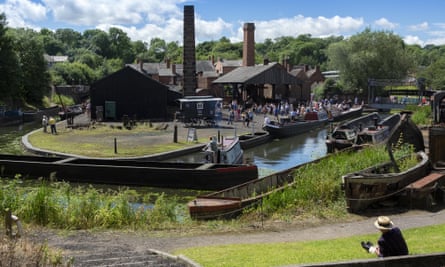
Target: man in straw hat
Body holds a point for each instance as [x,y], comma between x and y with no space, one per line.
[390,243]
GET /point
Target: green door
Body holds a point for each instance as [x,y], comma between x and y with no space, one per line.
[110,110]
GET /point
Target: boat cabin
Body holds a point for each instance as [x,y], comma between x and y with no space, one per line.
[197,109]
[227,150]
[344,134]
[373,135]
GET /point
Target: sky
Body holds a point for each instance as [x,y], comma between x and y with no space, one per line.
[415,22]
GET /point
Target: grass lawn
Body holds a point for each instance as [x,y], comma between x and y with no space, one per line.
[100,141]
[420,241]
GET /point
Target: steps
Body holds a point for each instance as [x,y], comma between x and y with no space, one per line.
[127,258]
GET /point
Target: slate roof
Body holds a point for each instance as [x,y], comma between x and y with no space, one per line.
[231,63]
[162,70]
[273,73]
[204,66]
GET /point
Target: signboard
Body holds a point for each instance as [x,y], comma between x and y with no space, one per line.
[191,135]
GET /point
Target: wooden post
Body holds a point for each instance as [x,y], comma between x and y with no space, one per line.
[8,223]
[175,134]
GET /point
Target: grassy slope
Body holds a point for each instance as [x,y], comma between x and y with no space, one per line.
[420,241]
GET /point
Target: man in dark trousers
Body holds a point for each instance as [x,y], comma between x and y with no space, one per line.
[390,243]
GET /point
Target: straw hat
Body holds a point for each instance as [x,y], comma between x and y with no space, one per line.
[383,223]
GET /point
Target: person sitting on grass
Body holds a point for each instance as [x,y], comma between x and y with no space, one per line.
[390,243]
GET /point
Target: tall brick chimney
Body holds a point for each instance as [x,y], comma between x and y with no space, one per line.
[189,58]
[249,44]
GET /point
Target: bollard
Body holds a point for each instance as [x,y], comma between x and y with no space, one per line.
[8,223]
[115,145]
[9,220]
[175,134]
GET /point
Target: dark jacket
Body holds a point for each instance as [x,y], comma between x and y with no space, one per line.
[392,243]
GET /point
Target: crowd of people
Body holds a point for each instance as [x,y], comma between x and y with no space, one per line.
[284,109]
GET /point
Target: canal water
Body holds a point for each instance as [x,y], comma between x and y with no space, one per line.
[279,154]
[10,137]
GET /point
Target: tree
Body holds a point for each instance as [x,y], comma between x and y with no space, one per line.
[9,65]
[87,57]
[226,50]
[204,50]
[109,66]
[98,42]
[51,44]
[35,77]
[435,74]
[70,38]
[73,73]
[378,55]
[121,45]
[157,50]
[174,52]
[139,48]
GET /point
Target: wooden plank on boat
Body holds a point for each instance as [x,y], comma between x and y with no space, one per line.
[424,193]
[211,208]
[64,160]
[428,180]
[205,166]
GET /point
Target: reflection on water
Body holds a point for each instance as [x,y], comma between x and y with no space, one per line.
[286,153]
[10,137]
[279,154]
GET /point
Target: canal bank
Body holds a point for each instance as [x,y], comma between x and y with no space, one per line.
[170,132]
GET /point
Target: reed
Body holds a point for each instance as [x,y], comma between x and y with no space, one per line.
[61,205]
[317,188]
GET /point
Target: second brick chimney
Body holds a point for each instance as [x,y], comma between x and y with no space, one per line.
[249,44]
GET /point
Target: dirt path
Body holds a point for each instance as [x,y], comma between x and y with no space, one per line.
[84,242]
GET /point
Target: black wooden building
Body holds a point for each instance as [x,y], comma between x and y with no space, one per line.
[129,92]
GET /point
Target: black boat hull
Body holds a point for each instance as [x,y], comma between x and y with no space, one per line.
[194,176]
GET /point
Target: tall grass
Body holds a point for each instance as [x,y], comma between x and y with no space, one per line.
[63,206]
[422,115]
[317,187]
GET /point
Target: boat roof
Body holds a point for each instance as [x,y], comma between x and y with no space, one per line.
[200,99]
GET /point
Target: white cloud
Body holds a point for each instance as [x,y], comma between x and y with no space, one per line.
[147,19]
[20,12]
[386,24]
[410,39]
[436,41]
[127,12]
[419,27]
[211,30]
[317,27]
[170,32]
